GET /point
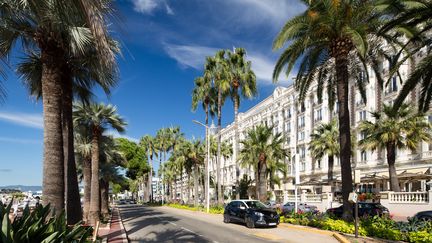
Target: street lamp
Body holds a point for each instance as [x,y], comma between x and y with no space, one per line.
[297,178]
[207,164]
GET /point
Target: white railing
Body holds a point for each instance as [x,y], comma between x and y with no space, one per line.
[313,198]
[291,198]
[408,197]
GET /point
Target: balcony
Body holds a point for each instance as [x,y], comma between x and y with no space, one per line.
[409,197]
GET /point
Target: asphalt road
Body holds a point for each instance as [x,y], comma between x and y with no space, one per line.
[164,224]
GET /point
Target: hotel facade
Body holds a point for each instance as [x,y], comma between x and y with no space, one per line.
[296,120]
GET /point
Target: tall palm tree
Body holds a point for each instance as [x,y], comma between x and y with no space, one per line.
[55,31]
[98,118]
[325,141]
[413,19]
[149,144]
[260,149]
[80,75]
[243,85]
[82,143]
[205,93]
[217,69]
[392,130]
[329,31]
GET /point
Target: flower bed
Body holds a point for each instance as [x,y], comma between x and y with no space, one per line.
[212,210]
[381,227]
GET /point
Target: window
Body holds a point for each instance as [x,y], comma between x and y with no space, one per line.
[301,122]
[318,163]
[303,166]
[288,127]
[302,153]
[302,107]
[301,136]
[289,112]
[362,115]
[318,115]
[362,135]
[363,156]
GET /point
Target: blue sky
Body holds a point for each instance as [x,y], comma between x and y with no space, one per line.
[165,43]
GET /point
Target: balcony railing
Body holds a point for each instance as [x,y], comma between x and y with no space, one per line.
[313,198]
[291,198]
[408,197]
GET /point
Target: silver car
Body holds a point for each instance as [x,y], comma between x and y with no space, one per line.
[302,207]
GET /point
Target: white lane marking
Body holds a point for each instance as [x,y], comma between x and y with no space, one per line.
[172,223]
[183,228]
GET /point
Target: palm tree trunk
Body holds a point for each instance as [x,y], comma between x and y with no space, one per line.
[196,186]
[73,203]
[263,181]
[104,198]
[206,163]
[218,159]
[391,159]
[257,176]
[330,169]
[188,189]
[344,131]
[95,196]
[87,186]
[236,141]
[150,180]
[53,157]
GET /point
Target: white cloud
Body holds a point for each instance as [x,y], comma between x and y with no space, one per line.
[149,6]
[145,6]
[169,10]
[274,11]
[194,57]
[23,119]
[20,140]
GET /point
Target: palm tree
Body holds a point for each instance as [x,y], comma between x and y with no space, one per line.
[324,141]
[82,73]
[82,142]
[32,24]
[260,149]
[392,130]
[97,117]
[413,19]
[205,94]
[242,79]
[217,69]
[329,31]
[149,144]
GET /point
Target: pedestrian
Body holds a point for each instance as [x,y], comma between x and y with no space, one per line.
[37,198]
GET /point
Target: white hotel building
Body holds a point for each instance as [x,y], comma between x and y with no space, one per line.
[297,120]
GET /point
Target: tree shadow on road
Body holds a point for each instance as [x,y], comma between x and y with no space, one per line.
[171,236]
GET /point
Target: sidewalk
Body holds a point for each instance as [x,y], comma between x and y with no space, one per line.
[116,233]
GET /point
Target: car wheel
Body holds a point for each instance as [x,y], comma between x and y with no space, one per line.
[250,223]
[227,219]
[425,218]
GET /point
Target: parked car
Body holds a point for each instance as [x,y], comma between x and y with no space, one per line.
[272,204]
[289,207]
[365,209]
[424,215]
[251,212]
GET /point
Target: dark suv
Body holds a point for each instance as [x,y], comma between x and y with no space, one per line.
[251,212]
[365,209]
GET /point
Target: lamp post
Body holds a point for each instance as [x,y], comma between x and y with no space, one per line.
[207,186]
[297,178]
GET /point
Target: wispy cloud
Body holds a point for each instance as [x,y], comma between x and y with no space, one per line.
[149,6]
[23,119]
[20,140]
[5,170]
[194,57]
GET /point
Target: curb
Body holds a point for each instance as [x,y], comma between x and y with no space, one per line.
[337,236]
[123,231]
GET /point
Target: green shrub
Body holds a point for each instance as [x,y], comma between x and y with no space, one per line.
[39,226]
[216,210]
[419,237]
[212,210]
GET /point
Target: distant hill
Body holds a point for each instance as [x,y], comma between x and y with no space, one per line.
[23,188]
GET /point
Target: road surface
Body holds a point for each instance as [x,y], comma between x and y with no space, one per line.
[164,224]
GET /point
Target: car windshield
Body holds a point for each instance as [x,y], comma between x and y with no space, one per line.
[256,204]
